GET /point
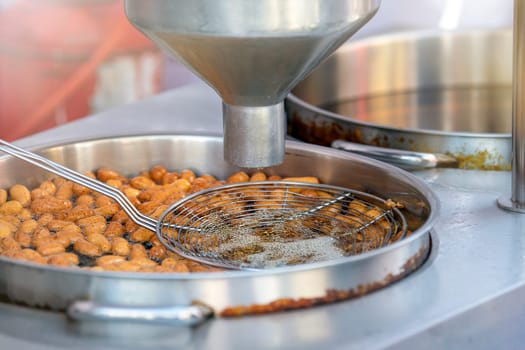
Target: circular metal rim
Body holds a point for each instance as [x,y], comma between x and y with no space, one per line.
[425,229]
[426,34]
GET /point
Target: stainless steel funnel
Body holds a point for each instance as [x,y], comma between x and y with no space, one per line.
[252,52]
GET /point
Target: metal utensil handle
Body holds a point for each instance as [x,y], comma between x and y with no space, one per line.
[404,159]
[81,179]
[190,315]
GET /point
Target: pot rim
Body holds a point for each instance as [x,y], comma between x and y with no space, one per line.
[426,228]
[400,37]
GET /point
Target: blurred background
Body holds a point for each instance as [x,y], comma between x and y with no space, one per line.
[61,60]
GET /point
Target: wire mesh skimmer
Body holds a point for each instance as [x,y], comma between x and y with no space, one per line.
[258,224]
[275,223]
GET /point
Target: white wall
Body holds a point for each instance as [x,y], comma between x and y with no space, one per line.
[400,15]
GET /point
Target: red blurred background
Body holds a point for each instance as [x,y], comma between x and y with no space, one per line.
[61,60]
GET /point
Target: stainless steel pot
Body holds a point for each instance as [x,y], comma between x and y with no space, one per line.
[191,298]
[442,93]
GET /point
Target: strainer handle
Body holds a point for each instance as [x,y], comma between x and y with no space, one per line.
[408,160]
[189,315]
[81,179]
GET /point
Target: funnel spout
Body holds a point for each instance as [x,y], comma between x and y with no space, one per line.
[254,136]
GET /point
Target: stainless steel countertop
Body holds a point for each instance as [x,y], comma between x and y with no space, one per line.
[471,295]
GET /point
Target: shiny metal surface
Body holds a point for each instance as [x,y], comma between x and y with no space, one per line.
[470,297]
[516,202]
[407,160]
[254,136]
[420,91]
[57,288]
[190,315]
[223,41]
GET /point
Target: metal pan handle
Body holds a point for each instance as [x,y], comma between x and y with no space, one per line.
[404,159]
[190,315]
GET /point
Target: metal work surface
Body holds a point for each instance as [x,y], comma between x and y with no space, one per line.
[468,296]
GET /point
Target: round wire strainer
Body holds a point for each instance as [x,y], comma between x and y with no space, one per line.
[276,223]
[258,224]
